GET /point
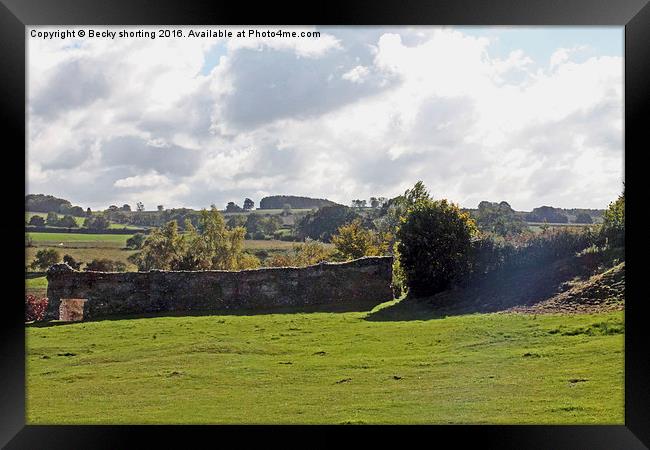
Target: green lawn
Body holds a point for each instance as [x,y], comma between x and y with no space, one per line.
[328,368]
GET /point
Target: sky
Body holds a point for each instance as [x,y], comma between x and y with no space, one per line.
[532,116]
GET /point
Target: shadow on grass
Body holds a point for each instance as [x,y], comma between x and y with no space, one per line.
[340,308]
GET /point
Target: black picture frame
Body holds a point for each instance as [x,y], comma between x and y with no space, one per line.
[15,15]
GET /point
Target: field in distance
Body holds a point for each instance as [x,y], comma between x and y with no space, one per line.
[86,247]
[328,368]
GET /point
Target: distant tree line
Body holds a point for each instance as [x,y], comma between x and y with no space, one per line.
[296,202]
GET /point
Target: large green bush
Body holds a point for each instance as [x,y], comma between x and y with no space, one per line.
[435,241]
[45,258]
[613,228]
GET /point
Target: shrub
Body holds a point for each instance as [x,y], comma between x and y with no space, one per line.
[306,254]
[35,308]
[490,253]
[70,261]
[398,283]
[37,221]
[353,241]
[210,246]
[613,228]
[135,242]
[68,222]
[45,258]
[105,265]
[434,245]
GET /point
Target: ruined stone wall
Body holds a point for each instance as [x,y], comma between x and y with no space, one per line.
[360,284]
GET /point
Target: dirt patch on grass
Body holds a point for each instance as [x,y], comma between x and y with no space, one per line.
[601,292]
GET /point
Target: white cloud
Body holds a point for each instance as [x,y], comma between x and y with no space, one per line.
[151,179]
[357,74]
[356,113]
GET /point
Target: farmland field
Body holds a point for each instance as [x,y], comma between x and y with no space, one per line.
[86,247]
[328,368]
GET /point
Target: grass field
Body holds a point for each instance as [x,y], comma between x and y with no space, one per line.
[328,368]
[80,220]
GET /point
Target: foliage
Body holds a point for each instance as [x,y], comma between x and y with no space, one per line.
[68,222]
[45,258]
[232,207]
[296,202]
[358,203]
[96,222]
[105,265]
[258,226]
[434,245]
[37,221]
[135,242]
[547,214]
[35,308]
[323,223]
[583,217]
[613,228]
[305,254]
[70,261]
[491,252]
[248,204]
[47,203]
[210,246]
[498,218]
[353,241]
[398,282]
[52,219]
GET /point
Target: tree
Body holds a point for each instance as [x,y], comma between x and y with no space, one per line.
[70,261]
[113,208]
[323,223]
[96,222]
[286,209]
[232,207]
[89,212]
[126,207]
[68,222]
[499,218]
[105,265]
[37,221]
[353,241]
[140,206]
[52,219]
[135,242]
[306,254]
[374,202]
[160,208]
[547,214]
[358,203]
[76,211]
[583,218]
[45,258]
[236,221]
[209,246]
[248,204]
[434,245]
[613,227]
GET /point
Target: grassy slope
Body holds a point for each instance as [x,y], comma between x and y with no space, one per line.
[328,368]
